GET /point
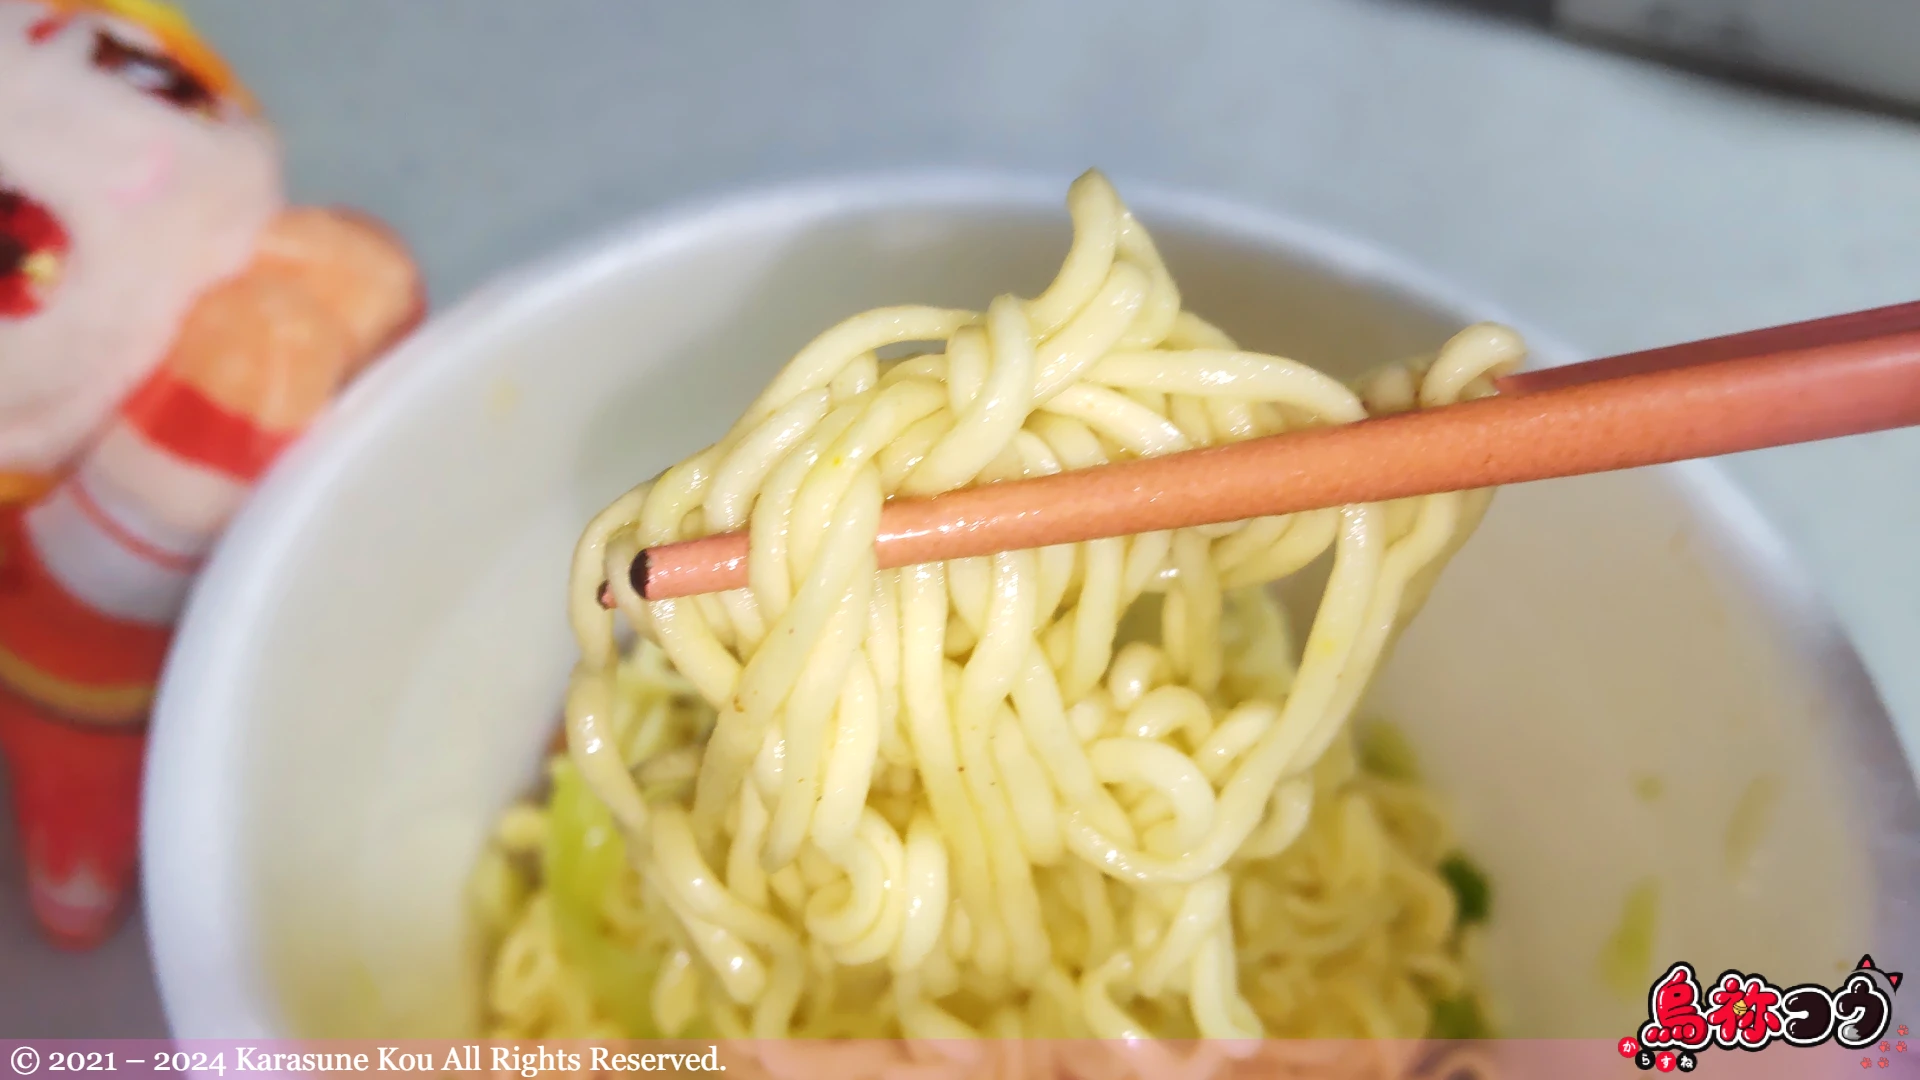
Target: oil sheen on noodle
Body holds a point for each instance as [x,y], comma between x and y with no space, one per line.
[1097,790]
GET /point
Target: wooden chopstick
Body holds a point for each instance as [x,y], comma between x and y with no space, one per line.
[1802,382]
[1829,330]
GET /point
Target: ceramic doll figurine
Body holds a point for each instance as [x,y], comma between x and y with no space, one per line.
[167,326]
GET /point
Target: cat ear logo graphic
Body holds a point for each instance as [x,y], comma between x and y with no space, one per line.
[1892,977]
[1861,1009]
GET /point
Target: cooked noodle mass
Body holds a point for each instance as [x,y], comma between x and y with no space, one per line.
[1095,790]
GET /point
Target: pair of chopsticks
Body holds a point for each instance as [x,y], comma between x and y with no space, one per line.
[1822,379]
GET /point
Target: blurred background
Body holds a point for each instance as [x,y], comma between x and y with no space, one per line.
[1613,200]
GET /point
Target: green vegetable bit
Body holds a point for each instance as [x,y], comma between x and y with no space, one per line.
[1385,752]
[1472,894]
[583,861]
[1459,1018]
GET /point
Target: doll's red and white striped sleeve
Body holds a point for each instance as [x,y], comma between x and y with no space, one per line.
[127,530]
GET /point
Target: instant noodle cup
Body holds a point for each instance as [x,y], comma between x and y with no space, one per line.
[1655,742]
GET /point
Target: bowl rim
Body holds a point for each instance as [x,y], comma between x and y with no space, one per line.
[198,920]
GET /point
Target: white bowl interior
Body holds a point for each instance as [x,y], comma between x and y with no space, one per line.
[373,663]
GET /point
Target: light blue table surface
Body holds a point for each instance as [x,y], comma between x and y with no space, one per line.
[1614,204]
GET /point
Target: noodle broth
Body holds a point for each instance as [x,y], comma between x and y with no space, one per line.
[1599,686]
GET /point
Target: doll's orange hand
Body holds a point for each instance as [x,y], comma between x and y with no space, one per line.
[354,267]
[325,293]
[261,347]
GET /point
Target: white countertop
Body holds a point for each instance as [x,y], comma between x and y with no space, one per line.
[1614,204]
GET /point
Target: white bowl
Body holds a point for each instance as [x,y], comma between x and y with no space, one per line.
[374,660]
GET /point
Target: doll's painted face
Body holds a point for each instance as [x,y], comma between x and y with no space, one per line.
[132,177]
